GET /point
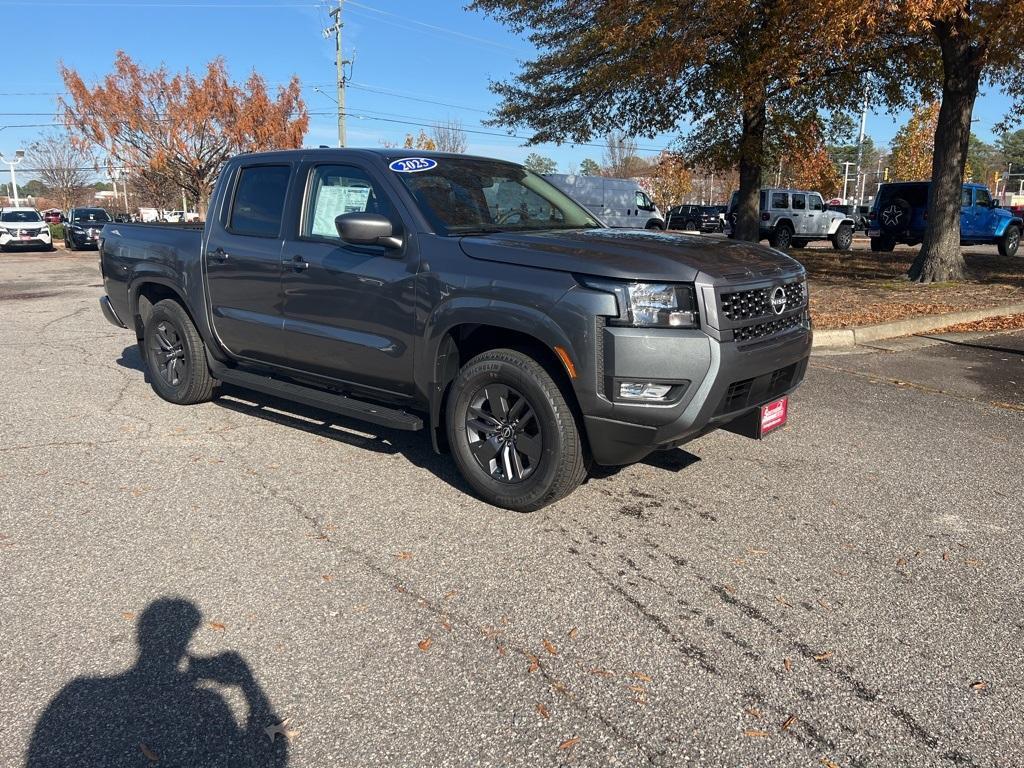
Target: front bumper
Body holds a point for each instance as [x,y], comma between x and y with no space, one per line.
[41,240]
[724,382]
[83,239]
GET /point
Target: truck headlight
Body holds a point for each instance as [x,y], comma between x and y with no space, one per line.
[651,305]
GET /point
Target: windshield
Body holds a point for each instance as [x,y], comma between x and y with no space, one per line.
[91,214]
[463,196]
[20,216]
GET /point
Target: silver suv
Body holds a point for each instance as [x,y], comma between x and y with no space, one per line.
[791,218]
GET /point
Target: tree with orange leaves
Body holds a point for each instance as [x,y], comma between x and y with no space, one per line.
[177,126]
[914,145]
[806,161]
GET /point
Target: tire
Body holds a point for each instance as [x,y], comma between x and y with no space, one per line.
[781,237]
[691,225]
[883,244]
[1010,241]
[843,238]
[655,224]
[176,356]
[491,400]
[895,215]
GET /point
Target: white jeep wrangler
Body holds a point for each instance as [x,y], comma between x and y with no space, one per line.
[791,218]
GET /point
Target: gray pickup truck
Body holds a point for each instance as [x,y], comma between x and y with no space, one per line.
[466,296]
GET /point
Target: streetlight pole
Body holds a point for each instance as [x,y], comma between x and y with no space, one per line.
[339,62]
[860,151]
[19,155]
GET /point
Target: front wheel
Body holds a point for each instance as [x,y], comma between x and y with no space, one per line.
[512,433]
[1010,241]
[176,356]
[843,238]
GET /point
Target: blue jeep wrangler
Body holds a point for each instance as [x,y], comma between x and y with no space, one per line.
[898,215]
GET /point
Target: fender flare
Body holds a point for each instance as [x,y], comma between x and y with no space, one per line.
[1006,223]
[837,223]
[437,359]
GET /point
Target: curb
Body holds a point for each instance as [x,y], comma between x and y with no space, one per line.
[851,337]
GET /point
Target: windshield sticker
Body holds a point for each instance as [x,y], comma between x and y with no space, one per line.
[412,164]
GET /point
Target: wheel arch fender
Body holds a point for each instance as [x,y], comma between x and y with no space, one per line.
[1006,223]
[463,326]
[784,221]
[834,226]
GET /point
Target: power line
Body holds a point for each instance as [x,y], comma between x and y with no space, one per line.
[404,22]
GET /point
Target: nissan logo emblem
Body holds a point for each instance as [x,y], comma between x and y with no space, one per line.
[779,300]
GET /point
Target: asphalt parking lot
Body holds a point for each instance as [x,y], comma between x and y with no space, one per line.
[846,593]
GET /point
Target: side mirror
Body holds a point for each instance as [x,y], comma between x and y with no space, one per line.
[366,229]
[995,203]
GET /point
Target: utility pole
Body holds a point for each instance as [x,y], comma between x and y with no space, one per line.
[340,61]
[860,151]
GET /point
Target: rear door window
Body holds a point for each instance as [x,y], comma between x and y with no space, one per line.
[799,202]
[966,200]
[780,200]
[259,200]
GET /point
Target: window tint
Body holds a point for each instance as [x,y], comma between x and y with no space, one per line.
[816,203]
[983,198]
[20,216]
[89,214]
[966,199]
[780,200]
[338,189]
[259,200]
[763,200]
[799,202]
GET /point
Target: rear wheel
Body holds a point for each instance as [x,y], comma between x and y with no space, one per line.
[176,356]
[781,237]
[843,238]
[512,433]
[1010,241]
[691,225]
[883,244]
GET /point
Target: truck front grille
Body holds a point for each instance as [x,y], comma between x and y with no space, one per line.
[762,389]
[748,305]
[761,330]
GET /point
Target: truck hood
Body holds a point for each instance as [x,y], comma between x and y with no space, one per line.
[626,254]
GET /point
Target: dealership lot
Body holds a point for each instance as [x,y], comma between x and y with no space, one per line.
[846,592]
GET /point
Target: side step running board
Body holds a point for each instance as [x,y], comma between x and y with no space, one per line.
[316,398]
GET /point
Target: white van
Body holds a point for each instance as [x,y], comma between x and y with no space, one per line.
[617,202]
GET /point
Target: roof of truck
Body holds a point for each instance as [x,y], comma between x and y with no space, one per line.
[380,152]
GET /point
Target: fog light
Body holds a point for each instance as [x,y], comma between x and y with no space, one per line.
[639,390]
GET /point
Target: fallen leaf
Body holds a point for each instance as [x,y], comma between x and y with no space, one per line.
[788,665]
[972,562]
[534,662]
[901,562]
[789,722]
[783,601]
[753,712]
[550,647]
[404,555]
[945,556]
[127,615]
[755,734]
[449,595]
[569,743]
[446,624]
[573,633]
[601,672]
[828,763]
[501,650]
[559,687]
[327,577]
[823,656]
[729,588]
[281,728]
[543,711]
[738,561]
[980,685]
[216,626]
[425,644]
[642,676]
[149,753]
[400,588]
[824,605]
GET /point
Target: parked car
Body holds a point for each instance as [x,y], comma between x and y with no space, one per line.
[24,228]
[53,216]
[468,297]
[122,218]
[899,215]
[83,226]
[617,202]
[700,218]
[795,217]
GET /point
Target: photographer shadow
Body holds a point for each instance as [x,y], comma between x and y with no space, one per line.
[163,710]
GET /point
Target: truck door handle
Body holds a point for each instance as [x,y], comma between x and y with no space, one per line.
[218,254]
[297,263]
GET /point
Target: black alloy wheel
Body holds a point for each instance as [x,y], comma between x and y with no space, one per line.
[167,351]
[504,433]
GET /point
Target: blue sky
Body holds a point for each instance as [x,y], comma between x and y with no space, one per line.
[409,55]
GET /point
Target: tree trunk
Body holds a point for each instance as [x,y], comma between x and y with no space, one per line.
[940,258]
[748,210]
